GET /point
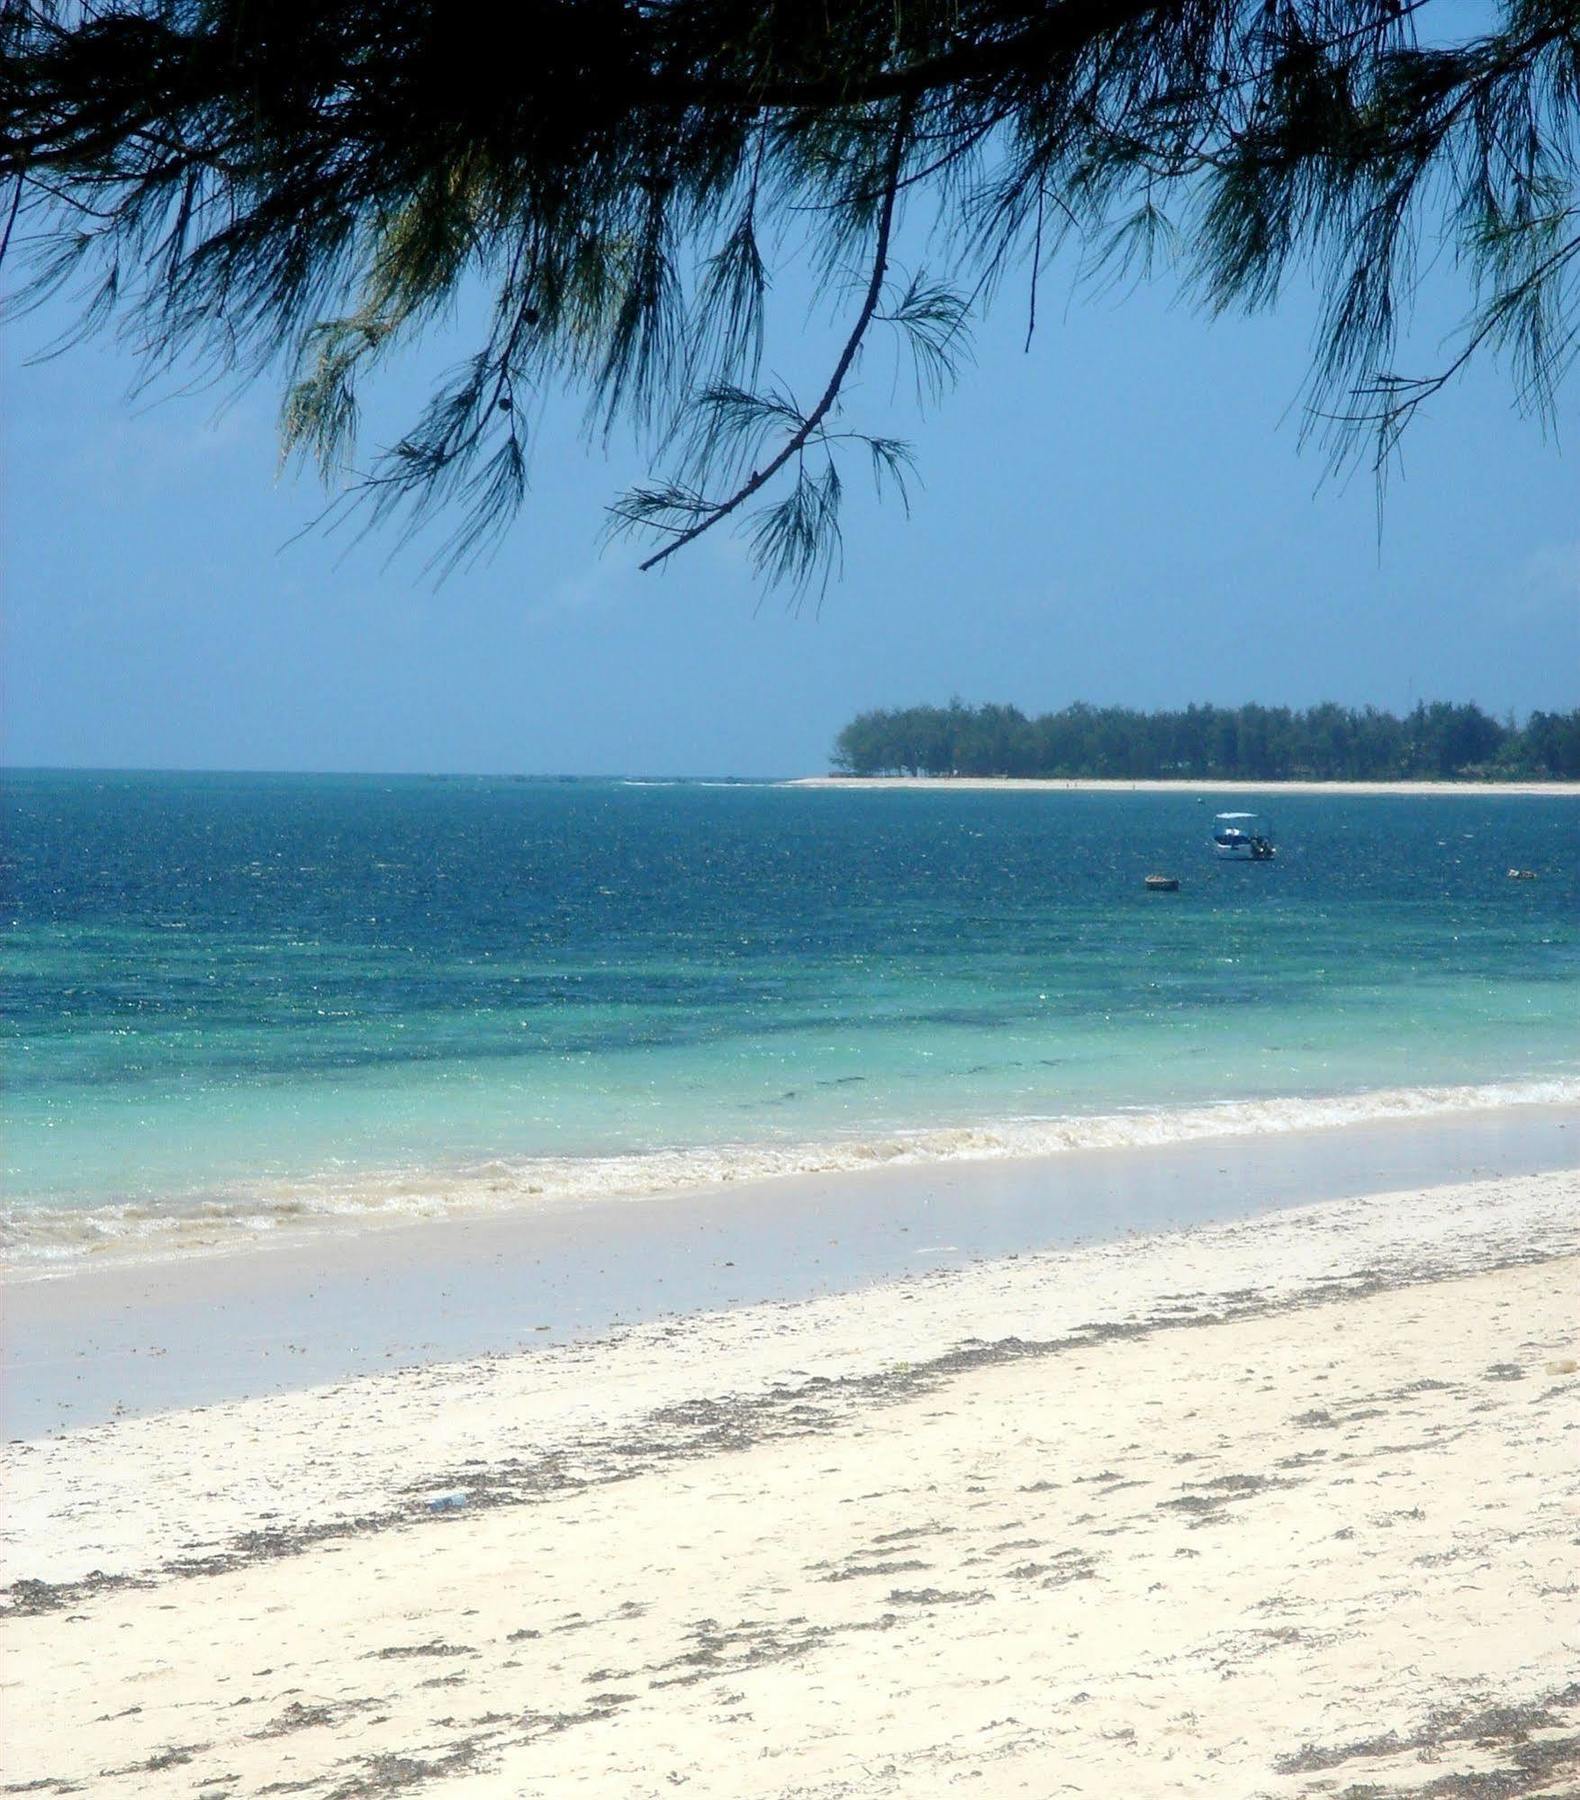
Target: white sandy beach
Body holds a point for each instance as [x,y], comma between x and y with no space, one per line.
[1281,1507]
[1551,790]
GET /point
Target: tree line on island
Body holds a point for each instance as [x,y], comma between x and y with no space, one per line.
[1437,741]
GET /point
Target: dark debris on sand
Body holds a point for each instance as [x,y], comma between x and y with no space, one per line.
[713,1425]
[1526,1764]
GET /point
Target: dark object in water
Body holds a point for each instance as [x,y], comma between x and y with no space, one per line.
[1522,874]
[1162,884]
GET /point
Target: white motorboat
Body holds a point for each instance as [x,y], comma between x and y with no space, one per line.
[1242,837]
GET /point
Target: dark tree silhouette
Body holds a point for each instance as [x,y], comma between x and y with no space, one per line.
[318,180]
[1256,743]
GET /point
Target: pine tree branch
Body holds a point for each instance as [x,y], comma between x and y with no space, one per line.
[804,433]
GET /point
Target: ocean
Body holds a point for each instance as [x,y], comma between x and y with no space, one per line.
[236,1003]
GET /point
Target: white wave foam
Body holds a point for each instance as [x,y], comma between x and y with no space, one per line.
[39,1240]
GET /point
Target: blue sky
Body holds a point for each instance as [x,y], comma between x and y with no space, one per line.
[1123,515]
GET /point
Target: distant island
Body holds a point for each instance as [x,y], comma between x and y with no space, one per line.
[1440,741]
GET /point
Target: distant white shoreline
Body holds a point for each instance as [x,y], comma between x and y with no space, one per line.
[1088,785]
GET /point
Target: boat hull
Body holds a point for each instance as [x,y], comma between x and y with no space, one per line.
[1242,837]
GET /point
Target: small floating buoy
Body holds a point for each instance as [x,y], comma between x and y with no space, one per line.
[1162,884]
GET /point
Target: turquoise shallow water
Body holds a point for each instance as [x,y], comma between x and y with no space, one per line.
[235,1000]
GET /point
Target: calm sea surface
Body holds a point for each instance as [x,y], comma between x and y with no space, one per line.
[232,1001]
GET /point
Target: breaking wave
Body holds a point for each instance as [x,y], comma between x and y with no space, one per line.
[39,1240]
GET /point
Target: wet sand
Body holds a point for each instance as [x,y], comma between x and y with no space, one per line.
[1284,1506]
[114,1339]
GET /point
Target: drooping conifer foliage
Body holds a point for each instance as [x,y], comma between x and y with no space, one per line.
[319,180]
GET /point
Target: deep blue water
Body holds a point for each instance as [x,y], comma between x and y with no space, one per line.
[228,998]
